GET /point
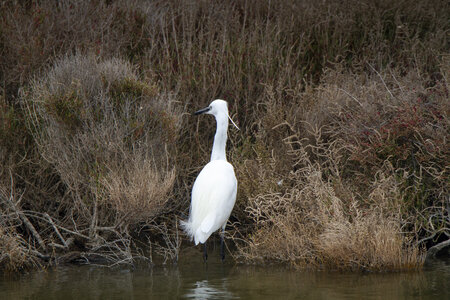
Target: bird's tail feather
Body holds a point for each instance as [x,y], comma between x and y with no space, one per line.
[187,228]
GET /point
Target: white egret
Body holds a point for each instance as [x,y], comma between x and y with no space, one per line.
[214,191]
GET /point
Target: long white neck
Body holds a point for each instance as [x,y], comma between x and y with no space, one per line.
[220,139]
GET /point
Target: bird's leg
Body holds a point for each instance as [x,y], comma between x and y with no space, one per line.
[205,254]
[222,246]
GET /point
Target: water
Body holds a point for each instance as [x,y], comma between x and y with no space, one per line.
[191,279]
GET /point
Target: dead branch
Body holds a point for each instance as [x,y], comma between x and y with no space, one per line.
[56,230]
[431,253]
[22,216]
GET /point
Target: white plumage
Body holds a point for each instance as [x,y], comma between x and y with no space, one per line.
[214,190]
[213,197]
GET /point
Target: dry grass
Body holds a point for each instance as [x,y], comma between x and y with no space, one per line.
[13,255]
[137,192]
[16,253]
[319,222]
[89,132]
[105,133]
[346,182]
[370,238]
[402,120]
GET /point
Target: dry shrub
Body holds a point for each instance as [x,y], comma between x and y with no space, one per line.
[372,237]
[220,48]
[402,120]
[368,242]
[319,222]
[16,253]
[280,64]
[13,255]
[137,192]
[33,32]
[350,181]
[105,132]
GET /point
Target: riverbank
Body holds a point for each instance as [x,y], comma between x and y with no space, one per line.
[341,160]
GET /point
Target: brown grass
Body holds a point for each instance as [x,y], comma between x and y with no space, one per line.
[92,95]
[137,193]
[320,222]
[105,133]
[16,253]
[14,256]
[107,138]
[341,183]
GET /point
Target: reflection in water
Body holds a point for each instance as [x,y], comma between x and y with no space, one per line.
[192,279]
[203,290]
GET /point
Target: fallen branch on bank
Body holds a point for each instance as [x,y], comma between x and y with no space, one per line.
[431,253]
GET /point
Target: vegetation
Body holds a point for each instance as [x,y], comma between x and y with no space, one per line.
[342,158]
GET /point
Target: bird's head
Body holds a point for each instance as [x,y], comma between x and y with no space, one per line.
[216,108]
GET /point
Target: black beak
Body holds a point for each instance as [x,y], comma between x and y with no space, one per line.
[202,111]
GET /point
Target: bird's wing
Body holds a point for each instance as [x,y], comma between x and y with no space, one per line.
[207,223]
[213,196]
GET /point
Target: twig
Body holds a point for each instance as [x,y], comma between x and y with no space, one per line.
[351,96]
[92,229]
[56,230]
[24,218]
[39,254]
[36,214]
[54,245]
[382,80]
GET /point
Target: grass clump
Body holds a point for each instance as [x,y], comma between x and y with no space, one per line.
[318,221]
[116,174]
[329,95]
[346,176]
[13,256]
[401,121]
[16,253]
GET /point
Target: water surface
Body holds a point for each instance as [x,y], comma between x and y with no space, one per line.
[191,279]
